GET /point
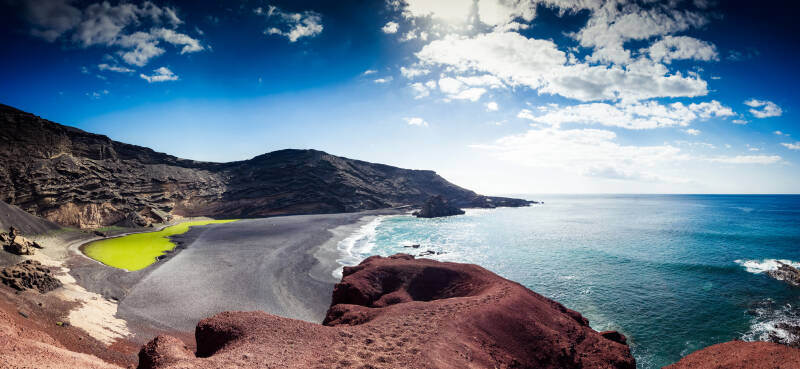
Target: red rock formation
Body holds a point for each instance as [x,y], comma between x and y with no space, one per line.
[741,355]
[23,347]
[398,312]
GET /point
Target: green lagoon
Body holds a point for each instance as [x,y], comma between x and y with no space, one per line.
[139,250]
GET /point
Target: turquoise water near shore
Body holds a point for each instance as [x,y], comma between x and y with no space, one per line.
[674,273]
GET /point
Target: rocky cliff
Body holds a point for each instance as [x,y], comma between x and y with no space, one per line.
[81,179]
[401,312]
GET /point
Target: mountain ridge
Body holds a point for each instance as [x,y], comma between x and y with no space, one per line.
[77,178]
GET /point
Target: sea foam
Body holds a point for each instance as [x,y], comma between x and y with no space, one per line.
[353,248]
[762,266]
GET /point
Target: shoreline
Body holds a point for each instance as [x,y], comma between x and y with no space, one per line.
[280,265]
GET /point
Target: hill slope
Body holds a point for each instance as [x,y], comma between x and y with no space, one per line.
[81,179]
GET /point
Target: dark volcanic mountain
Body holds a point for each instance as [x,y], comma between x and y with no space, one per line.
[82,179]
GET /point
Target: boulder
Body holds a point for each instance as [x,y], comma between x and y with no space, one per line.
[29,274]
[435,207]
[19,245]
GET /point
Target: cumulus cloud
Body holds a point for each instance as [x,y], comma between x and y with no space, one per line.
[162,74]
[672,48]
[420,90]
[121,26]
[293,26]
[692,131]
[640,115]
[114,68]
[390,27]
[612,25]
[540,65]
[791,146]
[764,108]
[384,80]
[492,106]
[416,121]
[412,72]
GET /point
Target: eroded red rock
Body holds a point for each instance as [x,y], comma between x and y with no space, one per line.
[398,312]
[741,355]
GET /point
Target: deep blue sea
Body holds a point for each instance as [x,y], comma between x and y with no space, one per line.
[674,273]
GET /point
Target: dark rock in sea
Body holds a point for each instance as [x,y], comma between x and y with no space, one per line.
[401,312]
[741,355]
[615,336]
[414,246]
[29,274]
[786,273]
[85,180]
[435,207]
[427,252]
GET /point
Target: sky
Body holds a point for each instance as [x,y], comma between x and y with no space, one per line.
[499,96]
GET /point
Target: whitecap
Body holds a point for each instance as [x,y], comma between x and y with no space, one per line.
[765,265]
[354,247]
[774,324]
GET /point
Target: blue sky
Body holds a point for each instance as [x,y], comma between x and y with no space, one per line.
[499,96]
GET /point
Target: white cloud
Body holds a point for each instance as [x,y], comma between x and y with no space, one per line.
[293,26]
[49,19]
[390,27]
[739,121]
[747,159]
[420,90]
[693,132]
[459,90]
[767,108]
[589,152]
[612,25]
[448,10]
[791,146]
[539,65]
[189,44]
[413,72]
[95,95]
[596,153]
[416,121]
[492,106]
[672,48]
[162,74]
[121,26]
[779,133]
[383,80]
[641,115]
[369,71]
[114,68]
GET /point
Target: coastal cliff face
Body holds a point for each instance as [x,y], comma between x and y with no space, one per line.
[401,312]
[81,179]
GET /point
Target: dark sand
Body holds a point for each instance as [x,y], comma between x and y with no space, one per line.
[280,265]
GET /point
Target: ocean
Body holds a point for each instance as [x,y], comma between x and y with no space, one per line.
[674,273]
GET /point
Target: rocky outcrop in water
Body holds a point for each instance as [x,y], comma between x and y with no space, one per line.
[786,273]
[741,355]
[436,207]
[29,275]
[81,179]
[401,312]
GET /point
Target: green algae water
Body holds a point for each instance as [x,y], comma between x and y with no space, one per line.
[140,250]
[674,273]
